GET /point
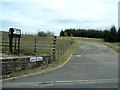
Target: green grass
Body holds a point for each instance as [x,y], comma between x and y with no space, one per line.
[27,46]
[115,46]
[70,51]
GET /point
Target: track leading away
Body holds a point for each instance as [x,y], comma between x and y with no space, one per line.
[91,66]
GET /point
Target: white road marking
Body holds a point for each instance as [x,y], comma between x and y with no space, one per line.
[78,55]
[48,83]
[95,63]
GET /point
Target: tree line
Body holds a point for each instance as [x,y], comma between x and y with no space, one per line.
[109,35]
[45,34]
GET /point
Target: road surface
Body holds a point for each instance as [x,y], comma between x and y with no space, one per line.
[91,66]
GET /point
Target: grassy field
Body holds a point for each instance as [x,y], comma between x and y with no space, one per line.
[43,44]
[28,44]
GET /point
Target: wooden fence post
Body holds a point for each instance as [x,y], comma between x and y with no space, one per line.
[15,44]
[54,48]
[10,45]
[18,45]
[35,44]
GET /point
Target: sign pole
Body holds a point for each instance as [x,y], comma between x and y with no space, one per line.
[10,45]
[10,40]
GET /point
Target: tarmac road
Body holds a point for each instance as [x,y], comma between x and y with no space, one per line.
[91,66]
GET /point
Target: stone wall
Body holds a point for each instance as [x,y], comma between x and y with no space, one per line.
[17,64]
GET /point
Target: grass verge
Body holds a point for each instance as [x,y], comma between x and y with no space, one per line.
[114,46]
[70,51]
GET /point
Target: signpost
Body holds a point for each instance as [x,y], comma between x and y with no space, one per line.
[14,33]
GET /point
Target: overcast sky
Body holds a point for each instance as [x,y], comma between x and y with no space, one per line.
[54,15]
[119,15]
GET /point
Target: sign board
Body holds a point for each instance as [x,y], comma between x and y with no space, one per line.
[17,31]
[14,33]
[35,59]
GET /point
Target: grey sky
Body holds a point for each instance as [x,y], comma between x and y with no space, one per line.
[119,14]
[54,15]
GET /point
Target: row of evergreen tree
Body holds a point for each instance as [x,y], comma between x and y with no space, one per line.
[109,35]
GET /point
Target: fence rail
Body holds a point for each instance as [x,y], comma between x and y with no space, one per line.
[36,45]
[28,44]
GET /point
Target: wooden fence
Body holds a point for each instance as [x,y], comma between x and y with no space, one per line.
[33,46]
[29,46]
